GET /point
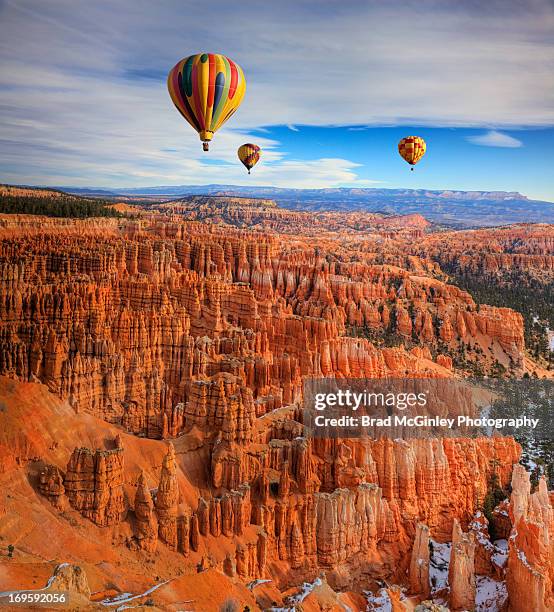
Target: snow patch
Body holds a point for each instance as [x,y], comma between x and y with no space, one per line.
[306,589]
[378,602]
[500,555]
[124,598]
[438,565]
[491,595]
[252,585]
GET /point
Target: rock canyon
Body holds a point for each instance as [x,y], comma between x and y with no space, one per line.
[152,436]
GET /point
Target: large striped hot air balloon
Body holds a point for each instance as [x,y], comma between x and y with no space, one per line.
[249,155]
[412,149]
[206,88]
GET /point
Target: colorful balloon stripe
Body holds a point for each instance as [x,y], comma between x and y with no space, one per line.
[206,88]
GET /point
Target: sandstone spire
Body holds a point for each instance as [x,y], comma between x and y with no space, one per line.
[419,562]
[461,571]
[167,499]
[146,528]
[530,571]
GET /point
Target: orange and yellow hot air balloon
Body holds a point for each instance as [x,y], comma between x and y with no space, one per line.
[249,155]
[206,88]
[412,149]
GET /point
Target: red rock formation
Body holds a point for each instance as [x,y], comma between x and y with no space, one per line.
[194,533]
[184,534]
[419,562]
[68,578]
[94,484]
[395,597]
[461,571]
[172,328]
[484,548]
[146,528]
[501,520]
[51,486]
[266,215]
[167,498]
[530,572]
[405,482]
[224,311]
[489,252]
[284,481]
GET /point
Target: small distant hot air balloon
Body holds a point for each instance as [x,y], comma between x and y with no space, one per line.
[249,155]
[206,88]
[412,149]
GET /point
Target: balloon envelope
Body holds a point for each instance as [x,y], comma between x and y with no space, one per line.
[206,88]
[412,149]
[249,155]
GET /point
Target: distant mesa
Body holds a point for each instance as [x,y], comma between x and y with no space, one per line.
[451,208]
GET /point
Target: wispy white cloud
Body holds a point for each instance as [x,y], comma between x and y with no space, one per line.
[366,183]
[494,138]
[292,128]
[313,174]
[84,147]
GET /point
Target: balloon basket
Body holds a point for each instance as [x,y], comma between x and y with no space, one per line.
[206,146]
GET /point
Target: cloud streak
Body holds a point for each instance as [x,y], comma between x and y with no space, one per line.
[494,138]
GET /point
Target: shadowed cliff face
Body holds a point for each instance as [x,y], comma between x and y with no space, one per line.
[165,328]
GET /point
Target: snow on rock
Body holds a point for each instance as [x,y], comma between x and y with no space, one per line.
[500,555]
[124,598]
[252,585]
[378,602]
[438,565]
[491,595]
[306,589]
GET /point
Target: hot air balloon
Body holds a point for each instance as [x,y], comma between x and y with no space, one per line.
[412,149]
[249,155]
[206,88]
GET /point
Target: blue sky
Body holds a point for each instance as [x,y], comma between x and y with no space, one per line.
[331,88]
[510,160]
